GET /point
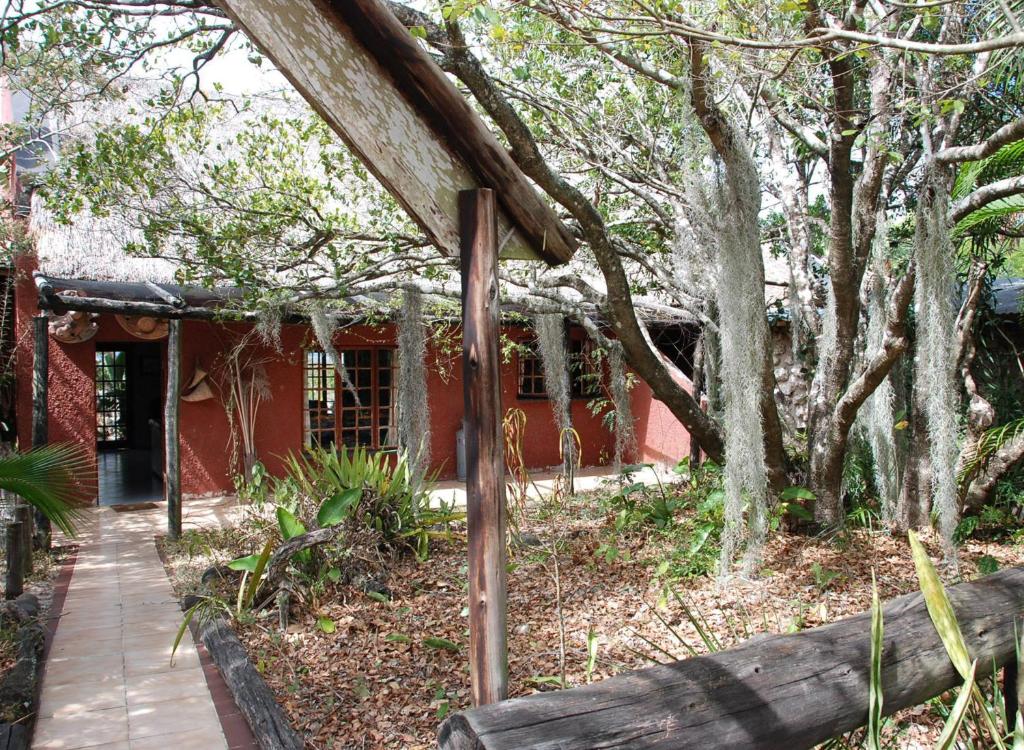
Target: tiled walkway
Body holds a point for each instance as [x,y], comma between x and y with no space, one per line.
[109,683]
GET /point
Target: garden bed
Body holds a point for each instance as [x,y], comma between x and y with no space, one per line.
[23,632]
[367,668]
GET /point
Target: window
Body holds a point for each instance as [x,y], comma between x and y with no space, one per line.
[531,373]
[111,394]
[358,413]
[584,371]
[584,375]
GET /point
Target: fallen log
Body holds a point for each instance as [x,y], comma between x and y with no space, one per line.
[785,691]
[278,562]
[254,698]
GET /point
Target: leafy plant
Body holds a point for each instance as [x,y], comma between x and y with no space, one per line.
[50,480]
[940,610]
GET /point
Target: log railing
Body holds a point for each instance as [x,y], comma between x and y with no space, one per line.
[785,691]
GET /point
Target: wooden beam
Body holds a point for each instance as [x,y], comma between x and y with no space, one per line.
[172,457]
[781,692]
[41,409]
[485,459]
[171,299]
[426,87]
[62,303]
[374,86]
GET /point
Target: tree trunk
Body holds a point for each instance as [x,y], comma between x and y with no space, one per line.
[914,505]
[1004,460]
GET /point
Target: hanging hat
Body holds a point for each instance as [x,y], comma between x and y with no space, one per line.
[198,389]
[73,327]
[143,327]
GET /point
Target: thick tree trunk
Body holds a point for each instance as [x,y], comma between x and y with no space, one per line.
[914,505]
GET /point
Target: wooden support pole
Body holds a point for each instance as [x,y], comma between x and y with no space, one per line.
[172,458]
[41,409]
[15,581]
[485,462]
[1011,690]
[23,515]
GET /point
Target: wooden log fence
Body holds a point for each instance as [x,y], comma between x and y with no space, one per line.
[784,691]
[266,719]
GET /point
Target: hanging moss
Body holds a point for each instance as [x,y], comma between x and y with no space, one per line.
[935,365]
[413,406]
[625,434]
[877,417]
[324,324]
[550,329]
[268,324]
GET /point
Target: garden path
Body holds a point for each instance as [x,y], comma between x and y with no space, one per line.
[109,683]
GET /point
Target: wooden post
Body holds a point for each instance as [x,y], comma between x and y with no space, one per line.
[23,515]
[485,466]
[172,460]
[15,582]
[41,409]
[1011,692]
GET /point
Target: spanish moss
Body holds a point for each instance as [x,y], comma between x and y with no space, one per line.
[268,324]
[877,417]
[324,324]
[413,406]
[550,329]
[935,366]
[625,434]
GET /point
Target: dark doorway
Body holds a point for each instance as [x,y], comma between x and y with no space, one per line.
[129,405]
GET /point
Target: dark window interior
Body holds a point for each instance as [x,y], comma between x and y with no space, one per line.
[358,413]
[677,342]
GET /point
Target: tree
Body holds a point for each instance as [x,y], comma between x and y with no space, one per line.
[657,130]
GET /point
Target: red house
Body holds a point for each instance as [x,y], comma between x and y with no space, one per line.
[106,385]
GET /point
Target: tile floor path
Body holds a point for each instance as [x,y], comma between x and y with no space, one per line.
[108,682]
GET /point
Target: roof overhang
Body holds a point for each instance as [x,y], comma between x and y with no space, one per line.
[380,91]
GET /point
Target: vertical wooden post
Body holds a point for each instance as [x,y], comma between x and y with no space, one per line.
[23,515]
[172,458]
[1011,691]
[41,408]
[485,464]
[15,582]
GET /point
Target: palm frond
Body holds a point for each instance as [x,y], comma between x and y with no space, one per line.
[998,209]
[55,479]
[991,441]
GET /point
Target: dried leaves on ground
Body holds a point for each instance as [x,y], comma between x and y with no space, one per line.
[358,670]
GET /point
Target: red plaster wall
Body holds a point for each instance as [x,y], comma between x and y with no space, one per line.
[660,438]
[205,444]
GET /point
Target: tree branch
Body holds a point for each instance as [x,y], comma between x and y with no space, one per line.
[1009,133]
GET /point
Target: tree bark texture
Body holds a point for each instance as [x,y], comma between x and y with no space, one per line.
[485,456]
[172,455]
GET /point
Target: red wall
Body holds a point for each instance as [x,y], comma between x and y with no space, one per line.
[660,437]
[205,444]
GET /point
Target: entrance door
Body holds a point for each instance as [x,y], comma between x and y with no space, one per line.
[128,416]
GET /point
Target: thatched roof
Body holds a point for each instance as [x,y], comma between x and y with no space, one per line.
[91,248]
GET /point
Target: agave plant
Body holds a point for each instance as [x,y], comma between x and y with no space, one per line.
[54,479]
